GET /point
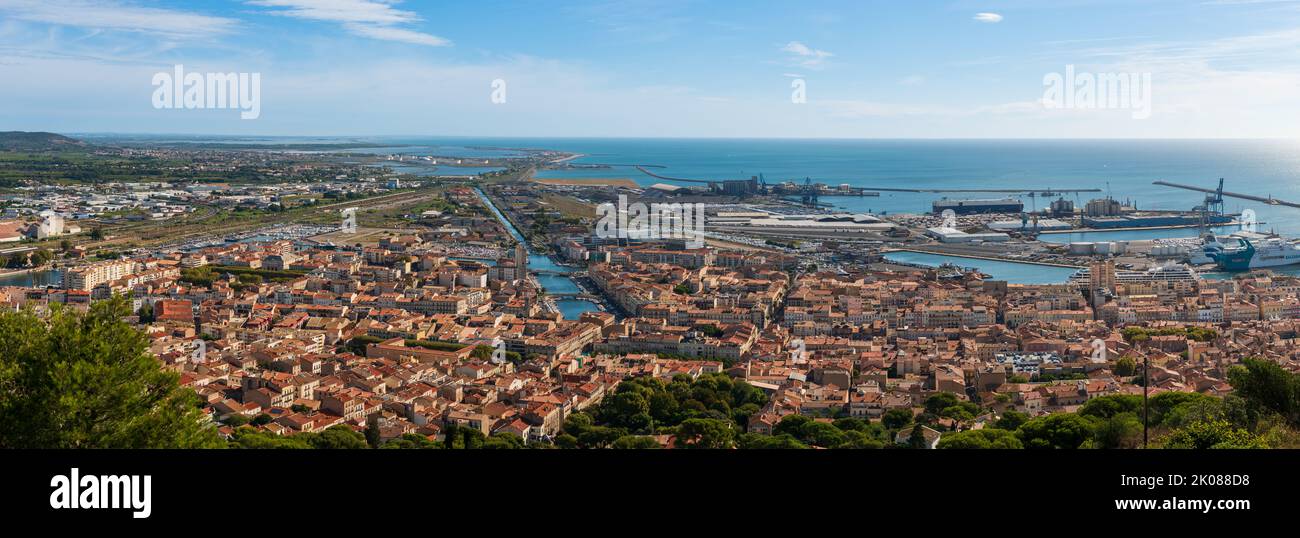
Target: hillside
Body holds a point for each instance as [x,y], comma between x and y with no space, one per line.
[37,141]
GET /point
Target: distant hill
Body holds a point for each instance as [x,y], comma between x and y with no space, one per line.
[35,141]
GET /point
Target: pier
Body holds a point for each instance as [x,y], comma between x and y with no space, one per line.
[643,170]
[1267,200]
[1046,192]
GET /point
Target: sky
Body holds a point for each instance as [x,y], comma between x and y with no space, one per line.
[668,68]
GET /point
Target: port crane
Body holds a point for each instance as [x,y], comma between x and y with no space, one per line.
[809,197]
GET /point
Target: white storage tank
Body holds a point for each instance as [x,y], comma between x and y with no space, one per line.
[1103,248]
[1081,248]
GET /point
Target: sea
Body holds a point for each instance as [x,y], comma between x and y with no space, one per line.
[1123,169]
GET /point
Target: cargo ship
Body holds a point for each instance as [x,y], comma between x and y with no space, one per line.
[1169,220]
[968,207]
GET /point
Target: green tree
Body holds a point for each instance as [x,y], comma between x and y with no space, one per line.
[373,435]
[146,313]
[917,438]
[1123,430]
[1060,431]
[635,442]
[756,441]
[822,434]
[704,433]
[858,439]
[1125,367]
[566,440]
[412,441]
[1109,406]
[1212,434]
[236,420]
[247,437]
[1011,421]
[1267,385]
[896,419]
[987,438]
[503,441]
[338,437]
[792,425]
[600,437]
[463,437]
[86,380]
[940,401]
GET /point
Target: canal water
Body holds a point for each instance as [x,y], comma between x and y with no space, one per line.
[36,279]
[552,283]
[1012,272]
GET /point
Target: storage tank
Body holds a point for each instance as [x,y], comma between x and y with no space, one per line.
[1103,248]
[1081,248]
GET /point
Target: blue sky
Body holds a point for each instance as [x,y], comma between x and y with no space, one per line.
[672,68]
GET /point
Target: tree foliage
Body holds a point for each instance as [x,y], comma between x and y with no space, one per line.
[86,380]
[987,438]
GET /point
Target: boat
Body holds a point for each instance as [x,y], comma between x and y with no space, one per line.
[1270,252]
[1169,272]
[968,207]
[1209,252]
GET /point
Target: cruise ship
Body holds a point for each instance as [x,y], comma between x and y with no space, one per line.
[1172,272]
[967,207]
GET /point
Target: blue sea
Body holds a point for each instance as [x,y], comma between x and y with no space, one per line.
[1124,169]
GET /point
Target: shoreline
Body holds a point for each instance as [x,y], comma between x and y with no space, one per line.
[975,257]
[1137,229]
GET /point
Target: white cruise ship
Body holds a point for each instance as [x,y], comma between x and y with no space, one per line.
[1172,272]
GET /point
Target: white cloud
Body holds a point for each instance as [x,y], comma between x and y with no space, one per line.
[988,17]
[389,33]
[806,56]
[365,18]
[117,16]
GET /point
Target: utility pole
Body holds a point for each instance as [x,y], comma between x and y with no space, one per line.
[1146,366]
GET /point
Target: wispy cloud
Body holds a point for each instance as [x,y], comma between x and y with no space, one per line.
[366,18]
[991,18]
[806,56]
[110,15]
[642,21]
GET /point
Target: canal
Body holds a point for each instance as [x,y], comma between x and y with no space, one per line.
[553,280]
[1012,272]
[33,279]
